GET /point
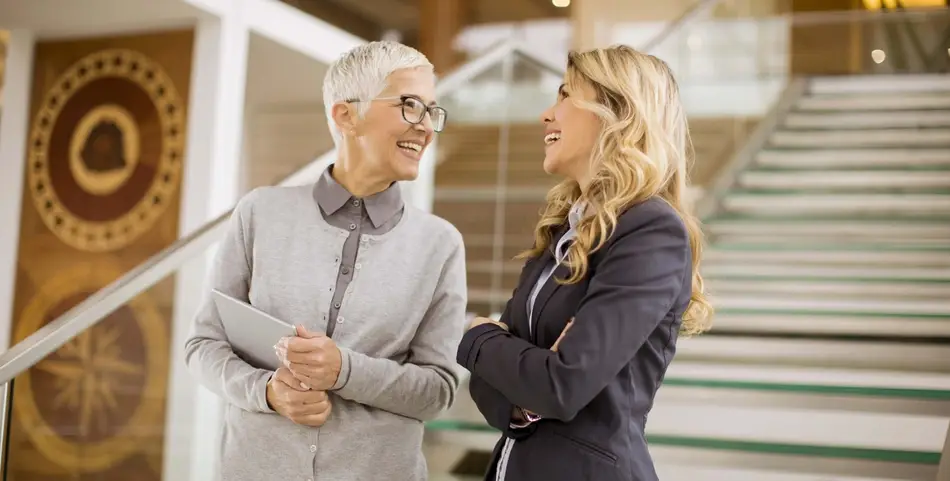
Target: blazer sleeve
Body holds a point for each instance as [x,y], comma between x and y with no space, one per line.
[208,354]
[632,290]
[494,406]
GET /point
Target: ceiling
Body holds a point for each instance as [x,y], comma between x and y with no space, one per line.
[368,19]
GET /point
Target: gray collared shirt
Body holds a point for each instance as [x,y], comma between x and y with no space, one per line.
[374,215]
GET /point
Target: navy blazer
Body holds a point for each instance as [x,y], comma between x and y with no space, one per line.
[594,394]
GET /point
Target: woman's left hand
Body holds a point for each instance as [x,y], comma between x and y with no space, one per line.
[478,321]
[312,357]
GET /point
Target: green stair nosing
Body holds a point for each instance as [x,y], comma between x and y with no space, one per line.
[813,313]
[800,278]
[826,312]
[823,389]
[848,168]
[845,247]
[786,449]
[770,192]
[826,219]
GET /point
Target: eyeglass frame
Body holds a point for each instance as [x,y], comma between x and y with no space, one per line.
[402,108]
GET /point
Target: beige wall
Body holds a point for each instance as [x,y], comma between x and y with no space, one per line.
[278,143]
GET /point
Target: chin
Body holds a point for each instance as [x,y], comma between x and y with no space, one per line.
[407,172]
[551,166]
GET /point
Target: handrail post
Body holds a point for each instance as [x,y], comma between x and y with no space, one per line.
[943,469]
[6,419]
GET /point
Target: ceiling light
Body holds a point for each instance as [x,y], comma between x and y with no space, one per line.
[878,55]
[561,3]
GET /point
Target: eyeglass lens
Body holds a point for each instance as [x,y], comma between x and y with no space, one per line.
[414,112]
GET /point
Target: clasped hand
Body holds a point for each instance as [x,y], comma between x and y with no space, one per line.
[290,399]
[312,358]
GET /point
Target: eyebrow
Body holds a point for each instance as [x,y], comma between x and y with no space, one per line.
[432,103]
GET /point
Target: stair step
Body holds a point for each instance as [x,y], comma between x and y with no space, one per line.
[727,320]
[879,84]
[864,120]
[840,305]
[838,204]
[856,354]
[860,138]
[845,179]
[875,101]
[882,383]
[881,231]
[770,270]
[861,255]
[853,158]
[677,472]
[818,288]
[490,194]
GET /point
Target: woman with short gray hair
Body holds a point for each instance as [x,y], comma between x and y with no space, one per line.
[375,287]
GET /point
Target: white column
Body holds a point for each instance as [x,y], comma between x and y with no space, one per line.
[14,128]
[211,186]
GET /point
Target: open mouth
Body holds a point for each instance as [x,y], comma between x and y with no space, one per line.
[552,138]
[409,146]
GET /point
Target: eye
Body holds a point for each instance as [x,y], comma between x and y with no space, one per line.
[413,105]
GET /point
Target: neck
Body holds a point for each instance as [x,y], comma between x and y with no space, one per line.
[356,178]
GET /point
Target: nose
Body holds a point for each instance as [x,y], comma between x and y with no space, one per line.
[425,125]
[548,115]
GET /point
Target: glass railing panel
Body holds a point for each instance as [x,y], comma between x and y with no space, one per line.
[100,406]
[490,182]
[735,65]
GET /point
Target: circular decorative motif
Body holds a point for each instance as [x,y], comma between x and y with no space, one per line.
[99,398]
[105,150]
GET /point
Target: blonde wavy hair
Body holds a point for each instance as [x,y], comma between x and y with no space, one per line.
[643,152]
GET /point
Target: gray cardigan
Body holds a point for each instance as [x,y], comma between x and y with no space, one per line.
[404,316]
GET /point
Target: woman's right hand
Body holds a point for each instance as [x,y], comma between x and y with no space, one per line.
[289,398]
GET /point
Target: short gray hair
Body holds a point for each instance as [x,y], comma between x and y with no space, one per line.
[360,74]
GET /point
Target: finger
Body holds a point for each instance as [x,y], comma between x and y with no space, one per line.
[287,377]
[561,336]
[309,358]
[303,376]
[315,397]
[306,334]
[301,344]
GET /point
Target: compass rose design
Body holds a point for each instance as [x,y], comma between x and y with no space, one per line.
[88,373]
[100,398]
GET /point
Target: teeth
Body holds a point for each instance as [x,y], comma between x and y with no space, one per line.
[410,145]
[552,138]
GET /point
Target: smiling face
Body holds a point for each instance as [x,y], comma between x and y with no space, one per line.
[571,132]
[387,143]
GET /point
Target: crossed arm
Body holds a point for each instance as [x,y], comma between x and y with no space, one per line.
[633,289]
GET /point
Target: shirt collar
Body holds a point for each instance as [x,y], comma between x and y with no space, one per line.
[381,207]
[576,214]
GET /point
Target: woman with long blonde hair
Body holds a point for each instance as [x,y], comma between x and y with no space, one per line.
[570,371]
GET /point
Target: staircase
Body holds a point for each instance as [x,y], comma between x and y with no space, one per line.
[829,264]
[466,193]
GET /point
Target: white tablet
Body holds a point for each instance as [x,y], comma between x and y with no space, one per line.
[251,332]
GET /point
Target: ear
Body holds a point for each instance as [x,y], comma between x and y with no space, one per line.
[344,116]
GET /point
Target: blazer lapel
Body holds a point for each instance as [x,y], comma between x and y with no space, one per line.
[550,287]
[519,308]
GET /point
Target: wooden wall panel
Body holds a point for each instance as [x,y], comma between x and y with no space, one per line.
[102,195]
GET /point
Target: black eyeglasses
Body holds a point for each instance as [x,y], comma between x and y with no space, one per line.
[414,111]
